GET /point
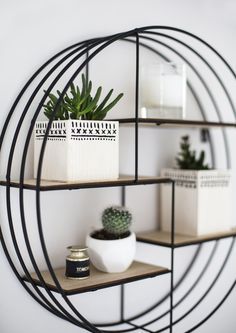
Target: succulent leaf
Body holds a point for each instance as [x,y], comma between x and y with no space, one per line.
[101,114]
[79,104]
[187,159]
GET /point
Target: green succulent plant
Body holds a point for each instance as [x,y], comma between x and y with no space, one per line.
[80,104]
[116,220]
[187,158]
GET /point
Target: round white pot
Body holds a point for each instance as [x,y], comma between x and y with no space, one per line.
[112,256]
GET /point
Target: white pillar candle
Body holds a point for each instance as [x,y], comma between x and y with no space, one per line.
[172,90]
[163,86]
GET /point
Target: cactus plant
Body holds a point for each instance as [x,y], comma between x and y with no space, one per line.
[116,220]
[79,104]
[187,159]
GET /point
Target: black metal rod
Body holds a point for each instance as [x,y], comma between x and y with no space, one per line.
[27,85]
[139,327]
[38,180]
[193,286]
[212,284]
[123,196]
[204,60]
[206,292]
[136,105]
[21,169]
[25,286]
[25,233]
[23,218]
[172,252]
[214,310]
[159,53]
[9,167]
[224,137]
[21,261]
[90,57]
[36,268]
[184,32]
[194,93]
[177,285]
[87,67]
[86,324]
[122,287]
[122,303]
[22,211]
[197,99]
[185,122]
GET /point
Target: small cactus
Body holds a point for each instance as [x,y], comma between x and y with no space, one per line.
[116,220]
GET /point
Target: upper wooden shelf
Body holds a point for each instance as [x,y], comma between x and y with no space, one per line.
[46,185]
[99,280]
[177,122]
[164,238]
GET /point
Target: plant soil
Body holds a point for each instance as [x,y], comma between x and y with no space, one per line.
[104,235]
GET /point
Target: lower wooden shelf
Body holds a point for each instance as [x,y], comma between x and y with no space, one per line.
[99,280]
[164,238]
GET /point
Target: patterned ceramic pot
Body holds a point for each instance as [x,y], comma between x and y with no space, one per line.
[78,150]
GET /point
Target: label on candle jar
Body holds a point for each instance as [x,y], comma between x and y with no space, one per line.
[77,269]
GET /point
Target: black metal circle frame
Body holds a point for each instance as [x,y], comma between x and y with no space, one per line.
[89,49]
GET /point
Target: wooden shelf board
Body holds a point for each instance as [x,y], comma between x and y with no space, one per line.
[177,122]
[164,238]
[99,280]
[46,185]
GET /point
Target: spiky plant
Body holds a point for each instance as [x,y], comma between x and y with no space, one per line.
[80,104]
[187,158]
[116,220]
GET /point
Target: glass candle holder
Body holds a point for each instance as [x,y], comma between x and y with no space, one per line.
[77,263]
[163,91]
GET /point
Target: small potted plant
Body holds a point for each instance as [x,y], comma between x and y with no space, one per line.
[80,144]
[112,249]
[203,198]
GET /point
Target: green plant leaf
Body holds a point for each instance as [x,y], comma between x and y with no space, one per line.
[92,105]
[186,158]
[78,103]
[102,105]
[102,114]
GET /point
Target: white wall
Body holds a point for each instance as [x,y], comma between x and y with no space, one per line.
[31,32]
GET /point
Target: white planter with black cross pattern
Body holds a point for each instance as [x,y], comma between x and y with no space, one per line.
[78,150]
[203,201]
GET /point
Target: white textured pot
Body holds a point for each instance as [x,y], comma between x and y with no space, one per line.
[203,201]
[112,256]
[78,150]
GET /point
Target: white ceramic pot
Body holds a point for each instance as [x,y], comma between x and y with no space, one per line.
[112,256]
[203,201]
[78,150]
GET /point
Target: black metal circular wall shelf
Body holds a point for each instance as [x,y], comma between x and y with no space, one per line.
[51,74]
